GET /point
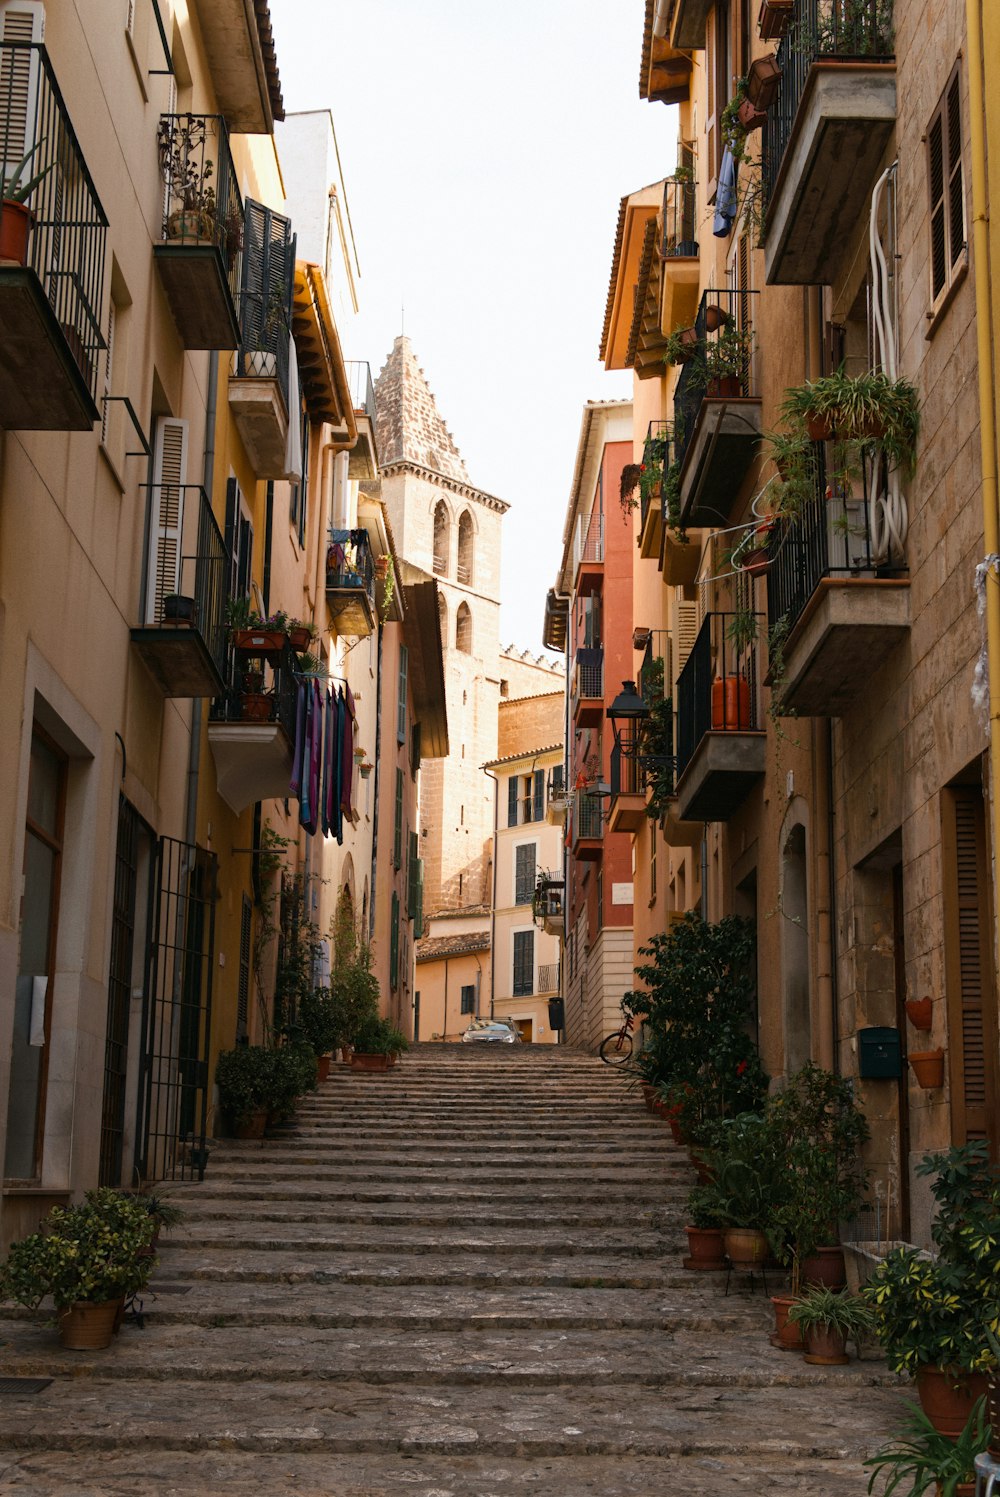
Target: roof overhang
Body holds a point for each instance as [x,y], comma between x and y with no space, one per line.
[322,373]
[634,214]
[603,421]
[422,632]
[665,72]
[241,58]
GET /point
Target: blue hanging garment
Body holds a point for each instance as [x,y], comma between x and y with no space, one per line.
[725,197]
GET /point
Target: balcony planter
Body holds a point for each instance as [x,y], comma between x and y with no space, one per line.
[258,641]
[928,1068]
[365,770]
[756,562]
[762,81]
[750,117]
[15,225]
[726,387]
[180,611]
[681,347]
[774,19]
[256,707]
[194,225]
[300,638]
[919,1013]
[715,317]
[681,560]
[731,705]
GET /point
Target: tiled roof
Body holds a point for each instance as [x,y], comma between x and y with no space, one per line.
[433,948]
[549,748]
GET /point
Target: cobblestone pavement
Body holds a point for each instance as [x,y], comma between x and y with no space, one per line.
[459,1279]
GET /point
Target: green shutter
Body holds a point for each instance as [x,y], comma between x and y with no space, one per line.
[397,833]
[418,914]
[412,875]
[538,809]
[401,698]
[512,801]
[394,943]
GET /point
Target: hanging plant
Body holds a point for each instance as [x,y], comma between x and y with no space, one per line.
[629,483]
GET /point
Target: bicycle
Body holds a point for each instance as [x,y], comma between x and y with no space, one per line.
[616,1048]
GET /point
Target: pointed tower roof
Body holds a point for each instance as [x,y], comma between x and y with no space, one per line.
[408,423]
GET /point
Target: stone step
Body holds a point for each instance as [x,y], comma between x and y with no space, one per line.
[568,1218]
[99,1413]
[266,1189]
[238,1473]
[410,1240]
[422,1307]
[486,1358]
[625,1178]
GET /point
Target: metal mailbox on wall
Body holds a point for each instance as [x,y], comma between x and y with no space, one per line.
[879,1054]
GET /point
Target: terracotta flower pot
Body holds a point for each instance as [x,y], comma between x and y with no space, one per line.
[264,642]
[927,1067]
[346,1051]
[89,1325]
[774,19]
[756,562]
[919,1011]
[256,707]
[253,1126]
[362,1062]
[15,224]
[820,428]
[701,1168]
[763,80]
[824,1268]
[725,387]
[947,1397]
[323,1063]
[706,1249]
[750,117]
[299,638]
[715,317]
[745,1247]
[786,1335]
[826,1346]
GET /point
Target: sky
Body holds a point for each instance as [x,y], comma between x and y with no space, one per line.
[485,150]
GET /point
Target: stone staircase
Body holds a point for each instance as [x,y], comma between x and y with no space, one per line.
[458,1279]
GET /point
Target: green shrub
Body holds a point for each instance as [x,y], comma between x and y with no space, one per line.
[97,1251]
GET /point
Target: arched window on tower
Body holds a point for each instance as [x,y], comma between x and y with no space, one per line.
[466,537]
[442,538]
[463,629]
[443,621]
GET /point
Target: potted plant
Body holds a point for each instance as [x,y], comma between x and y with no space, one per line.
[243,1076]
[763,80]
[866,408]
[745,1166]
[375,1040]
[928,1460]
[291,1074]
[15,215]
[828,1319]
[186,173]
[726,361]
[681,346]
[774,19]
[300,634]
[932,1313]
[705,1217]
[319,1024]
[88,1258]
[179,611]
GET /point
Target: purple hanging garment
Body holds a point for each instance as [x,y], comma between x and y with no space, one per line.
[328,747]
[305,784]
[316,757]
[347,756]
[300,738]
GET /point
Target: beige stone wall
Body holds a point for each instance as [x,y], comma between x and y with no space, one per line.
[528,676]
[440,984]
[530,721]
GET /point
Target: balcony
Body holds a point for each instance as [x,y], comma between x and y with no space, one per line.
[198,256]
[690,23]
[678,255]
[825,135]
[588,688]
[350,582]
[547,904]
[720,738]
[658,451]
[717,420]
[363,458]
[557,799]
[627,809]
[52,256]
[842,608]
[587,819]
[251,729]
[588,553]
[258,385]
[548,977]
[183,641]
[556,623]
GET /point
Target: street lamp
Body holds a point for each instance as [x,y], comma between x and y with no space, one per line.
[628,714]
[627,707]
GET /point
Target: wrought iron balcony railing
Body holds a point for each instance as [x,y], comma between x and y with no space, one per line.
[844,30]
[265,338]
[588,815]
[590,538]
[679,213]
[723,364]
[65,224]
[188,566]
[829,537]
[548,977]
[658,448]
[359,382]
[627,777]
[718,691]
[589,678]
[279,686]
[349,562]
[202,202]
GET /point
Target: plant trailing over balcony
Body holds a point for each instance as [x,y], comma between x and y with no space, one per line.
[681,346]
[869,410]
[738,120]
[849,29]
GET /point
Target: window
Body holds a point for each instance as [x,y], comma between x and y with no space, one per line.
[946,184]
[239,541]
[401,696]
[466,539]
[397,831]
[299,490]
[524,963]
[524,872]
[442,539]
[512,792]
[463,629]
[469,998]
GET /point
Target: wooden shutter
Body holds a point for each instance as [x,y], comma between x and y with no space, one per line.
[266,282]
[397,831]
[418,901]
[685,634]
[971,1041]
[412,874]
[401,699]
[512,801]
[394,942]
[956,185]
[524,963]
[414,748]
[239,542]
[20,21]
[167,514]
[538,807]
[946,187]
[524,873]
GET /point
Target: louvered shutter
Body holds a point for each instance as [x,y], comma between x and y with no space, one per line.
[243,986]
[524,963]
[935,150]
[538,805]
[524,873]
[394,942]
[167,514]
[397,833]
[20,21]
[412,875]
[267,276]
[252,298]
[685,634]
[971,996]
[401,699]
[512,801]
[956,185]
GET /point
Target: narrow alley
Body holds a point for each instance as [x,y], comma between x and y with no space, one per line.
[459,1278]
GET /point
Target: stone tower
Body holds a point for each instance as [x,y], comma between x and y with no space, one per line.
[443,524]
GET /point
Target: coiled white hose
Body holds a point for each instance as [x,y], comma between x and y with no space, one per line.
[888,518]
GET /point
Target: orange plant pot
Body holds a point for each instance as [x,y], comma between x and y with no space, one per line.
[15,224]
[928,1067]
[919,1012]
[731,704]
[88,1326]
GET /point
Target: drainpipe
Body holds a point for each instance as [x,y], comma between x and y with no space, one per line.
[444,1027]
[493,901]
[823,856]
[987,401]
[207,475]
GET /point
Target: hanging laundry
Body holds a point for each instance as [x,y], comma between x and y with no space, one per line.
[300,738]
[347,756]
[725,197]
[337,814]
[305,778]
[324,795]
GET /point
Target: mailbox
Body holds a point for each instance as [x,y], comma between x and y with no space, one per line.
[879,1054]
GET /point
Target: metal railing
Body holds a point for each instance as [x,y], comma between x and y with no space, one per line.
[556,789]
[349,562]
[589,675]
[548,977]
[829,537]
[590,538]
[265,339]
[850,30]
[627,777]
[723,364]
[201,198]
[280,684]
[359,382]
[588,815]
[66,226]
[188,566]
[717,691]
[679,210]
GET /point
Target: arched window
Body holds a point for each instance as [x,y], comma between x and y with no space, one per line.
[443,621]
[442,539]
[466,537]
[463,629]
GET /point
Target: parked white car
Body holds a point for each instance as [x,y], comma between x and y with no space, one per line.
[492,1031]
